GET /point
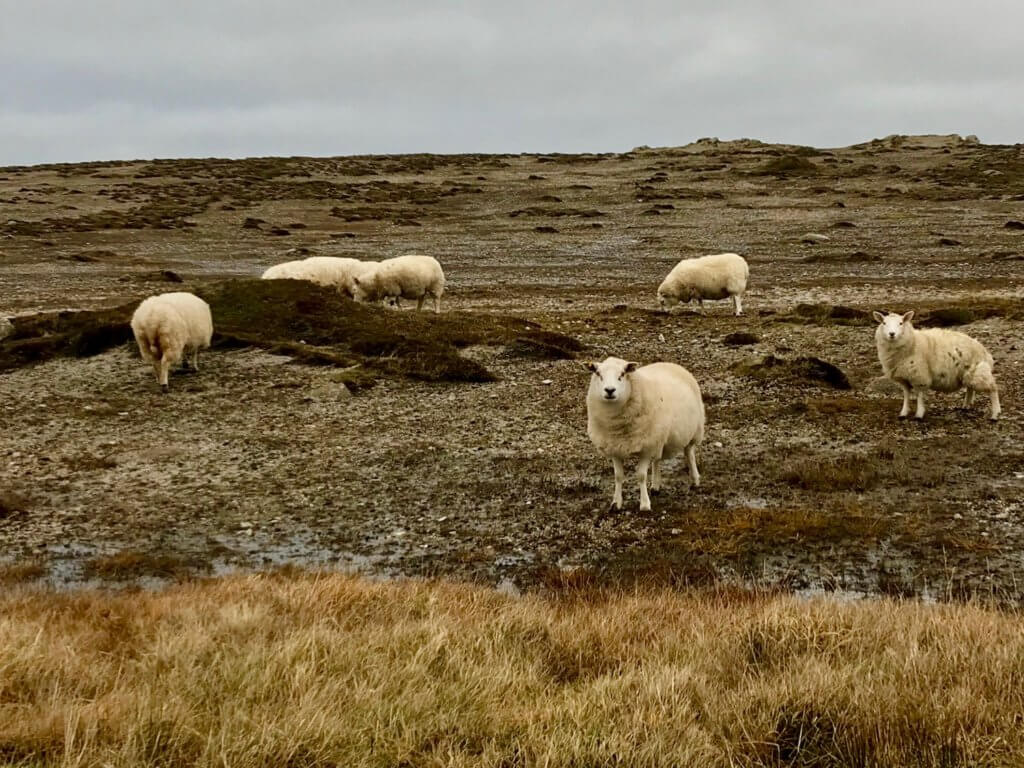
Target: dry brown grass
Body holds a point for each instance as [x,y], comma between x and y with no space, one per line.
[301,670]
[21,572]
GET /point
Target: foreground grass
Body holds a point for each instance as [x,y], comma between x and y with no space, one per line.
[333,670]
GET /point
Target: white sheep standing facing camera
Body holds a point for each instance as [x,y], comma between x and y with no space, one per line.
[706,277]
[168,325]
[652,413]
[933,359]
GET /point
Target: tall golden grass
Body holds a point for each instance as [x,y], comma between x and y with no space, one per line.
[331,670]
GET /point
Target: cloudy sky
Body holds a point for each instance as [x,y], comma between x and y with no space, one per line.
[119,79]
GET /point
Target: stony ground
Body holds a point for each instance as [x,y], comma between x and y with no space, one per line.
[258,460]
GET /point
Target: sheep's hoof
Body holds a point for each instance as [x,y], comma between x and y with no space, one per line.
[614,507]
[646,508]
[164,389]
[655,491]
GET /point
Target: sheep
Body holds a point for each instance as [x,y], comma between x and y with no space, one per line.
[169,324]
[336,271]
[933,359]
[288,270]
[330,271]
[653,413]
[403,277]
[707,277]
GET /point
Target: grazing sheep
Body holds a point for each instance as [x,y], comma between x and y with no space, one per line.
[706,277]
[168,325]
[329,271]
[288,270]
[653,413]
[403,277]
[933,359]
[336,271]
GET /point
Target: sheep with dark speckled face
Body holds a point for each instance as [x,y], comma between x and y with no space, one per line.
[652,413]
[936,358]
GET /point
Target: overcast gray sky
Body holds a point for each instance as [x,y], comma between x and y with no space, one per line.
[121,79]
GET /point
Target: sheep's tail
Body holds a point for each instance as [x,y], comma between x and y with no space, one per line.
[981,377]
[151,346]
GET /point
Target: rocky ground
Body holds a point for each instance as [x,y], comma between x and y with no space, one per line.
[258,459]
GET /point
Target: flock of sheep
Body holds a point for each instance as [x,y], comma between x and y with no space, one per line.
[649,413]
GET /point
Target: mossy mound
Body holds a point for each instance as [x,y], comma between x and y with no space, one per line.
[802,371]
[314,325]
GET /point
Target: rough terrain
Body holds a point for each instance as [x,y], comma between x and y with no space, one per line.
[259,459]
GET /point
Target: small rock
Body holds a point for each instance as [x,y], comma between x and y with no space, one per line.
[949,241]
[717,444]
[1013,224]
[958,516]
[6,327]
[547,381]
[814,237]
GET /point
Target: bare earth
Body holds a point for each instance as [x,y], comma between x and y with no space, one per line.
[257,460]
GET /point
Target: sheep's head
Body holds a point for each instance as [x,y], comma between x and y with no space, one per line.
[891,326]
[666,300]
[362,287]
[610,379]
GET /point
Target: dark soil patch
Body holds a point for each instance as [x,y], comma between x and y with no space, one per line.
[36,338]
[740,338]
[787,165]
[802,370]
[827,314]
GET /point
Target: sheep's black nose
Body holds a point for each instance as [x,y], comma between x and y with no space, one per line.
[892,334]
[609,391]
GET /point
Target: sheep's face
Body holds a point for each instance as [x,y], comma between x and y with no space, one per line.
[666,301]
[361,288]
[610,379]
[892,326]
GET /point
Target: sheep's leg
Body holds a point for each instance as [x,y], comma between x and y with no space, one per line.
[737,300]
[195,359]
[620,475]
[641,474]
[982,380]
[905,411]
[994,397]
[655,476]
[920,404]
[700,307]
[165,370]
[419,302]
[437,303]
[969,398]
[691,458]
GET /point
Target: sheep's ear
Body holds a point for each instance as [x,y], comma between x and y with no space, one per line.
[908,316]
[878,316]
[588,365]
[630,367]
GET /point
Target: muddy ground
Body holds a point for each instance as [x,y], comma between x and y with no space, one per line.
[259,459]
